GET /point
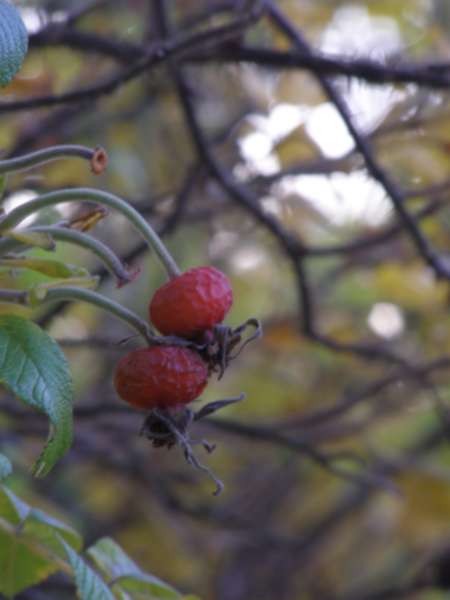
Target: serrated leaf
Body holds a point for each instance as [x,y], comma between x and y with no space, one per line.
[46,266]
[36,523]
[20,565]
[112,561]
[33,368]
[13,42]
[31,238]
[89,584]
[5,467]
[30,544]
[12,509]
[48,531]
[146,586]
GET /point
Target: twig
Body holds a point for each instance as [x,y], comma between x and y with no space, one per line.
[440,266]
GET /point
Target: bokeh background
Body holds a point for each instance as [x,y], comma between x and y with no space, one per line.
[336,466]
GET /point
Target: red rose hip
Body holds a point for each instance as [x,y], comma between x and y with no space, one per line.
[160,377]
[191,303]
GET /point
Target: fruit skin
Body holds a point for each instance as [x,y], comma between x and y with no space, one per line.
[160,377]
[191,303]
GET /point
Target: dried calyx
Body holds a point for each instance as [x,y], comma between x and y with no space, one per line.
[170,427]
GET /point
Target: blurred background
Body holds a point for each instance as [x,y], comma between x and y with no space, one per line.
[336,466]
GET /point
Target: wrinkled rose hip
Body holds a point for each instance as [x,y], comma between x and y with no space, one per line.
[160,377]
[191,303]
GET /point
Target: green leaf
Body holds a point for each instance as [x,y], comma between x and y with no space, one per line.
[89,584]
[5,467]
[30,543]
[33,545]
[47,266]
[33,368]
[146,586]
[12,509]
[119,595]
[112,561]
[13,42]
[21,566]
[48,531]
[38,293]
[37,524]
[35,239]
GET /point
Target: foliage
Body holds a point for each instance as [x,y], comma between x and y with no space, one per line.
[33,368]
[34,545]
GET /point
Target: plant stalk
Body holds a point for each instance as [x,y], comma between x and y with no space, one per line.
[96,299]
[40,157]
[63,234]
[78,294]
[19,213]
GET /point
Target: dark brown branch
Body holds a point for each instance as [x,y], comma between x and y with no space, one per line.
[153,57]
[365,243]
[61,35]
[440,266]
[428,75]
[431,75]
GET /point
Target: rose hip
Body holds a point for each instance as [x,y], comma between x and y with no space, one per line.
[191,303]
[160,377]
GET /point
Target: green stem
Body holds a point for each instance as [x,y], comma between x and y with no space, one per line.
[17,297]
[100,197]
[79,294]
[27,161]
[63,234]
[119,311]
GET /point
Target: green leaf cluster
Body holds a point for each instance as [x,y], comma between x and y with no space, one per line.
[34,545]
[35,370]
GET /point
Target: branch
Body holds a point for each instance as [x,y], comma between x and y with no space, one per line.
[439,265]
[153,57]
[436,76]
[290,245]
[57,35]
[432,75]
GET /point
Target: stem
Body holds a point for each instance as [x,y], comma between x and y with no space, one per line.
[15,296]
[182,440]
[100,197]
[63,234]
[27,161]
[74,293]
[119,311]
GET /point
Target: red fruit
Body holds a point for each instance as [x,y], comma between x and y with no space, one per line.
[191,303]
[160,376]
